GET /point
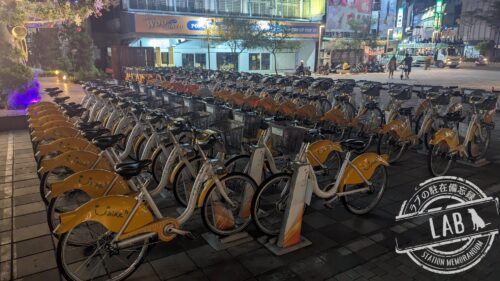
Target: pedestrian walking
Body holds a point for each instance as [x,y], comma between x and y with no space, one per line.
[392,66]
[407,62]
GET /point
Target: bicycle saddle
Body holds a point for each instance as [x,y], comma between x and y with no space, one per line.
[51,89]
[405,111]
[55,93]
[60,100]
[103,142]
[88,125]
[352,144]
[75,112]
[453,117]
[94,133]
[131,169]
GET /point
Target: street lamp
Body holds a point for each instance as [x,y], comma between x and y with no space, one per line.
[319,46]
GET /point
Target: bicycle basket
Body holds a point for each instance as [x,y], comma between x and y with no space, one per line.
[372,90]
[439,98]
[232,132]
[173,98]
[217,112]
[198,119]
[286,139]
[489,103]
[400,93]
[251,123]
[193,104]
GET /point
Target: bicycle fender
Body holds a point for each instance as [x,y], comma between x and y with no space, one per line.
[319,151]
[366,164]
[175,170]
[204,192]
[76,161]
[44,111]
[422,107]
[53,124]
[66,144]
[93,182]
[54,133]
[110,211]
[449,136]
[33,111]
[38,122]
[41,104]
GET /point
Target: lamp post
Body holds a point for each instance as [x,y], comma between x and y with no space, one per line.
[208,25]
[319,47]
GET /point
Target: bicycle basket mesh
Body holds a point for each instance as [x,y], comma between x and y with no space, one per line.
[489,103]
[232,132]
[198,119]
[286,139]
[251,123]
[440,98]
[194,104]
[217,113]
[400,93]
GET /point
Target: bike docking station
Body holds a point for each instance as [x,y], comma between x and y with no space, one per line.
[290,238]
[476,163]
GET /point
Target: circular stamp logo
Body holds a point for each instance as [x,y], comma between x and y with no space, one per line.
[449,225]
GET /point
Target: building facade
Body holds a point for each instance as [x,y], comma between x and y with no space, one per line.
[176,29]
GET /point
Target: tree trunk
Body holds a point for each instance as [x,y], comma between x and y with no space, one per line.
[275,63]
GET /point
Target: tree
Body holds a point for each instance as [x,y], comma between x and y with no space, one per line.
[490,17]
[484,46]
[46,49]
[239,35]
[276,39]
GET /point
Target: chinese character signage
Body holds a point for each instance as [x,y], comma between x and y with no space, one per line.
[438,15]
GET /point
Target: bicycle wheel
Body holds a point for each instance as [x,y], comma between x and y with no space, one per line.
[226,218]
[389,144]
[139,147]
[95,257]
[439,159]
[328,173]
[478,145]
[66,202]
[159,159]
[237,164]
[367,128]
[50,177]
[363,202]
[184,180]
[269,203]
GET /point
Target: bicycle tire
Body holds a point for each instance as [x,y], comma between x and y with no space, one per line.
[179,197]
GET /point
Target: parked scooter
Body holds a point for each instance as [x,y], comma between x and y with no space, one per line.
[482,61]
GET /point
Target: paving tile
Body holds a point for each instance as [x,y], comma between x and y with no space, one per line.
[26,176]
[5,213]
[5,203]
[143,273]
[320,242]
[260,261]
[5,237]
[318,220]
[30,219]
[5,224]
[5,271]
[359,244]
[312,268]
[26,199]
[52,275]
[280,274]
[29,208]
[244,248]
[340,262]
[26,190]
[205,255]
[230,270]
[34,264]
[197,275]
[340,233]
[372,251]
[33,246]
[173,266]
[5,252]
[32,231]
[26,183]
[362,225]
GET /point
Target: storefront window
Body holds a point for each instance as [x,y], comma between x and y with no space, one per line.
[258,61]
[226,61]
[188,60]
[164,58]
[200,60]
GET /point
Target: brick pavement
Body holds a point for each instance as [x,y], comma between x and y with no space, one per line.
[344,246]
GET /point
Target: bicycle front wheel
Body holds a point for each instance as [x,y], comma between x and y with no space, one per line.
[269,203]
[439,159]
[389,144]
[226,210]
[94,256]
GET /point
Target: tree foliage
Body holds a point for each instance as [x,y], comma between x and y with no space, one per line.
[275,39]
[239,35]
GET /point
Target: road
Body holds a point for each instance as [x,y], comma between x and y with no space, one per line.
[468,78]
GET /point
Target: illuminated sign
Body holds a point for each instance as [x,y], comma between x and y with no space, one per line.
[399,21]
[438,15]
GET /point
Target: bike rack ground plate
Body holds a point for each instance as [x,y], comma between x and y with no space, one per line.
[219,244]
[271,245]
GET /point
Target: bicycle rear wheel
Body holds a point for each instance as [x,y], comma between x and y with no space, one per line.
[269,203]
[184,180]
[439,159]
[389,144]
[363,202]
